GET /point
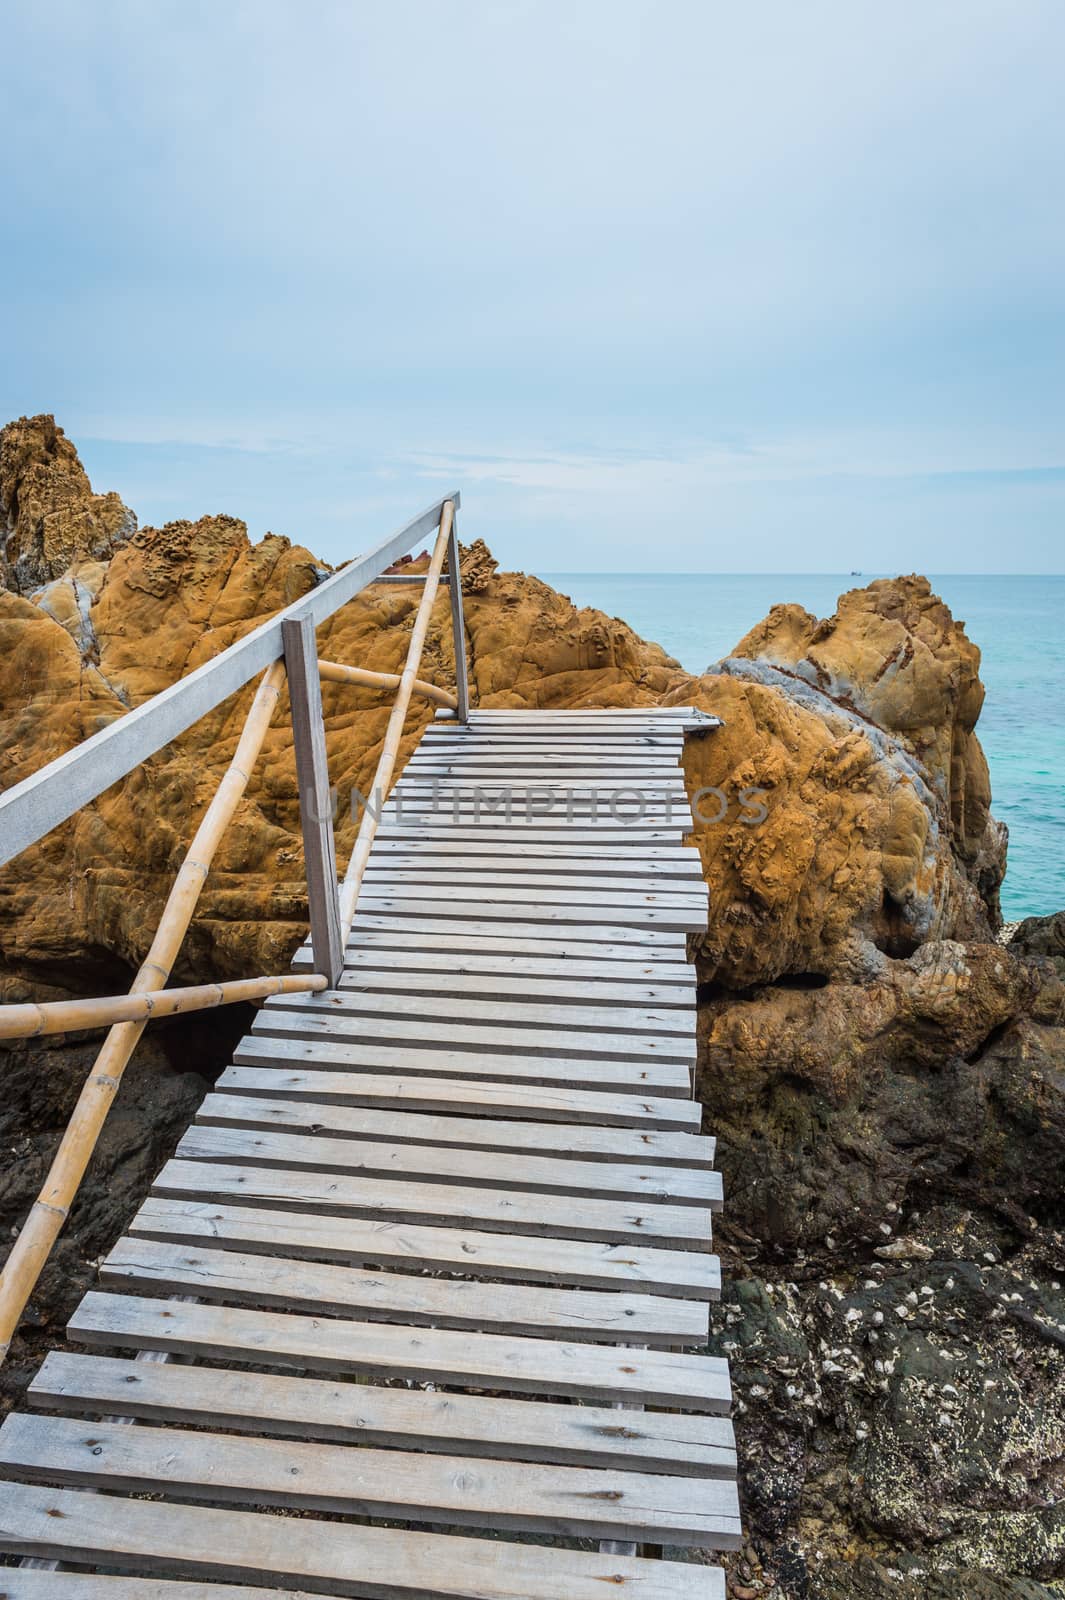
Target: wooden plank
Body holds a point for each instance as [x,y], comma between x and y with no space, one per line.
[30,809]
[340,1413]
[627,792]
[682,875]
[575,1502]
[514,987]
[494,749]
[434,1355]
[518,888]
[546,790]
[613,1221]
[379,944]
[524,1013]
[542,1103]
[530,768]
[328,1557]
[289,1284]
[662,857]
[680,865]
[519,938]
[683,1274]
[371,961]
[685,909]
[414,836]
[667,748]
[312,777]
[443,734]
[574,716]
[581,1140]
[304,1151]
[558,813]
[664,919]
[21,1583]
[629,1063]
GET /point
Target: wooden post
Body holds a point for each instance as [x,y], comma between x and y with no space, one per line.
[458,625]
[316,805]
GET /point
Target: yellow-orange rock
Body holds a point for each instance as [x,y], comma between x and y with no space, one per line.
[870,835]
[103,636]
[49,516]
[894,653]
[858,734]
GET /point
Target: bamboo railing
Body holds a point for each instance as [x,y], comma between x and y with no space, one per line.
[32,808]
[382,778]
[333,672]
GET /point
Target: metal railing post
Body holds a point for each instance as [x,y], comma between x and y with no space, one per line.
[462,688]
[316,806]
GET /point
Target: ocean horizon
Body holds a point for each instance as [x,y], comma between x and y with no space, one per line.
[1018,622]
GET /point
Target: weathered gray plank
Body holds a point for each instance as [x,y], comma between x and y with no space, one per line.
[626,794]
[329,1557]
[535,913]
[680,865]
[541,1103]
[518,889]
[504,867]
[288,1283]
[576,1140]
[518,938]
[684,1274]
[377,947]
[375,1046]
[535,1174]
[621,1222]
[564,992]
[426,1355]
[341,1413]
[504,836]
[560,817]
[525,1013]
[532,1497]
[370,960]
[21,1583]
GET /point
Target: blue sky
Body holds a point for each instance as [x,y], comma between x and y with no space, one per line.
[673,286]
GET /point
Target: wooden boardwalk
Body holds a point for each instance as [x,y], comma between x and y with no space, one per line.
[455,1212]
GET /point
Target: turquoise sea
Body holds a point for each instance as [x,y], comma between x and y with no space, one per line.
[1019,624]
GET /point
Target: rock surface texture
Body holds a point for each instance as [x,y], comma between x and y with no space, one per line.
[887,1082]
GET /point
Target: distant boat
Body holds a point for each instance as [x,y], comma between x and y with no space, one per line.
[855,573]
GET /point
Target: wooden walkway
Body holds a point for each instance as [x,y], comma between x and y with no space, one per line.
[455,1212]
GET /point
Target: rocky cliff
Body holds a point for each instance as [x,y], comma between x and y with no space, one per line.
[886,1080]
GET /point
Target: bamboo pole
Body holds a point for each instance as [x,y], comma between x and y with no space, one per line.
[50,1210]
[349,889]
[33,1021]
[333,672]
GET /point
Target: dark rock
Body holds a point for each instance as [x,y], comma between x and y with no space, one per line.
[870,1580]
[1042,936]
